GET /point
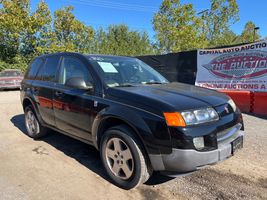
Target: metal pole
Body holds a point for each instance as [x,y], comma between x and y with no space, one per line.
[203,15]
[254,33]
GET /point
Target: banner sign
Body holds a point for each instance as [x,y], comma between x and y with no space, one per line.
[236,68]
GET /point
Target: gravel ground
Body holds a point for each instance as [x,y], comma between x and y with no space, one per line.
[58,167]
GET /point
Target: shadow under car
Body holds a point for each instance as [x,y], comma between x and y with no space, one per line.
[85,154]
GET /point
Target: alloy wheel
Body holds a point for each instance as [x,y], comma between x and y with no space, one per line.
[119,158]
[32,124]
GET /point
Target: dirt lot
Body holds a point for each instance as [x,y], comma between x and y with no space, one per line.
[58,167]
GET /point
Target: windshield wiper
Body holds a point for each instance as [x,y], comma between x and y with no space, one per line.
[145,83]
[126,85]
[153,82]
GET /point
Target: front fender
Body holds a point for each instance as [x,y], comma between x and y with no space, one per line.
[149,128]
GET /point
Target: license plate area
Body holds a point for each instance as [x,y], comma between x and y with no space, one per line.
[237,144]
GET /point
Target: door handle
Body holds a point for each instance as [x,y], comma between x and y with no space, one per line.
[58,93]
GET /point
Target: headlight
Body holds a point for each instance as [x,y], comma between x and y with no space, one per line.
[232,104]
[200,116]
[191,117]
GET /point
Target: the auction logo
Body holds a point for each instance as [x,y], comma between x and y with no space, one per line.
[239,65]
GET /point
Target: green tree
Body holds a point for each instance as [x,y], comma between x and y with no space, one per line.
[38,32]
[13,23]
[100,42]
[69,33]
[249,34]
[20,29]
[221,15]
[119,40]
[177,27]
[226,38]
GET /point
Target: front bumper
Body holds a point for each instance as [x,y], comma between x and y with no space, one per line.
[15,86]
[187,160]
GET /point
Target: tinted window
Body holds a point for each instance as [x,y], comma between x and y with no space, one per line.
[72,68]
[33,69]
[40,74]
[49,69]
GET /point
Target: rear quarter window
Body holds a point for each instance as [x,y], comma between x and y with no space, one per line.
[49,69]
[33,68]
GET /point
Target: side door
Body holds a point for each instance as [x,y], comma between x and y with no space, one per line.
[74,107]
[43,88]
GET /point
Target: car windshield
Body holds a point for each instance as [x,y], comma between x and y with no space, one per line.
[10,73]
[125,71]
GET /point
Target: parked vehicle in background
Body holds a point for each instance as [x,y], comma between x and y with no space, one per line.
[138,121]
[10,79]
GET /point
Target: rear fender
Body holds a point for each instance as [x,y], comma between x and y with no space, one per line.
[35,107]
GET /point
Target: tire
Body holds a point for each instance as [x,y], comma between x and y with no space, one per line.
[33,126]
[123,158]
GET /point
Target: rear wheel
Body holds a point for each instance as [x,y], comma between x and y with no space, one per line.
[123,158]
[34,128]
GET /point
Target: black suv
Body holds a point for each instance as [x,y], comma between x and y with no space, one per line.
[138,121]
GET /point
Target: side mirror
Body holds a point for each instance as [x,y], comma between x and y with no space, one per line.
[78,83]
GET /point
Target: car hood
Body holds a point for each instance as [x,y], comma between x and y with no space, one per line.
[168,97]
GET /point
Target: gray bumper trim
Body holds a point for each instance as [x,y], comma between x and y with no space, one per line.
[181,160]
[9,87]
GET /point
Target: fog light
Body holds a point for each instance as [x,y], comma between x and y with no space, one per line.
[199,143]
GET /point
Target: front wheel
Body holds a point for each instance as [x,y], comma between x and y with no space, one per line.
[123,158]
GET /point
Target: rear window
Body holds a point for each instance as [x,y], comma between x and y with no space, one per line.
[49,69]
[33,69]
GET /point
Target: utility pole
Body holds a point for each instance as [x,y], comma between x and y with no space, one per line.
[203,14]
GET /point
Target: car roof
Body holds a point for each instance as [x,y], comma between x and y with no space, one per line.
[58,54]
[80,54]
[103,55]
